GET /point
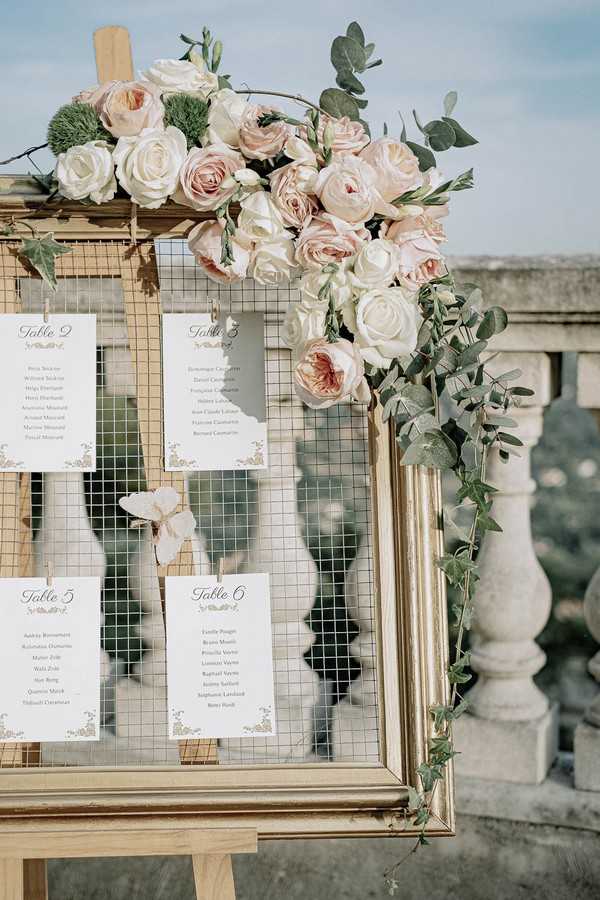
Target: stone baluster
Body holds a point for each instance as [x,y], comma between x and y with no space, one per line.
[279,549]
[510,733]
[587,733]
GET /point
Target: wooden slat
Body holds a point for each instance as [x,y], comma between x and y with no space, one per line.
[35,877]
[113,54]
[11,879]
[213,877]
[141,296]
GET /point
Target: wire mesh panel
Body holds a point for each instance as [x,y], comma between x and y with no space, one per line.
[305,521]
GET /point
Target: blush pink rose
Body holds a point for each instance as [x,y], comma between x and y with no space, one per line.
[206,178]
[327,373]
[205,243]
[348,136]
[419,260]
[346,188]
[126,107]
[327,239]
[257,142]
[296,206]
[425,224]
[395,165]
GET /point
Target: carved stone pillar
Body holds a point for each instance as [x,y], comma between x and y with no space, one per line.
[279,549]
[510,733]
[587,733]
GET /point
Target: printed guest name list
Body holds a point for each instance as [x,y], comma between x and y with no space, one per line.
[48,397]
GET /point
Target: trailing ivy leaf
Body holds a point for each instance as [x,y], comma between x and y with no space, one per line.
[355,32]
[415,799]
[494,321]
[338,103]
[441,135]
[455,567]
[41,253]
[486,523]
[450,102]
[422,818]
[424,155]
[462,137]
[432,448]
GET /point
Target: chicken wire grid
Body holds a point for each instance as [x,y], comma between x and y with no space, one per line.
[306,521]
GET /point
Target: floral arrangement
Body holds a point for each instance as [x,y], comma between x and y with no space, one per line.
[358,221]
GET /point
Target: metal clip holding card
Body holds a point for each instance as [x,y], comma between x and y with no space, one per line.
[46,310]
[215,311]
[220,570]
[49,573]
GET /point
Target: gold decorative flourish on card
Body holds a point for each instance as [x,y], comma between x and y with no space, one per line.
[8,732]
[180,729]
[88,729]
[257,459]
[85,461]
[208,345]
[46,610]
[176,461]
[49,345]
[212,607]
[5,461]
[265,725]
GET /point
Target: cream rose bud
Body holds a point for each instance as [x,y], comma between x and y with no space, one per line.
[224,115]
[329,372]
[346,188]
[272,261]
[127,107]
[259,218]
[257,142]
[205,179]
[302,324]
[395,165]
[295,205]
[204,242]
[387,325]
[180,76]
[376,265]
[327,239]
[247,177]
[148,165]
[87,170]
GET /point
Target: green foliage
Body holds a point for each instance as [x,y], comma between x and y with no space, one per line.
[189,114]
[41,253]
[75,124]
[350,56]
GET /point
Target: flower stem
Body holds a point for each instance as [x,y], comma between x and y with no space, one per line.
[297,97]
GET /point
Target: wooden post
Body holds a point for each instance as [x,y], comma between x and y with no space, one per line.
[113,54]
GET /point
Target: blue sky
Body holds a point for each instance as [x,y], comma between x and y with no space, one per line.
[527,73]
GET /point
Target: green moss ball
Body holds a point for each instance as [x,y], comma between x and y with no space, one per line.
[187,113]
[75,124]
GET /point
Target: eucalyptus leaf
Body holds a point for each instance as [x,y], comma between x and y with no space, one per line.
[450,102]
[462,137]
[355,32]
[403,132]
[338,104]
[432,448]
[349,82]
[348,55]
[440,134]
[41,253]
[494,321]
[424,155]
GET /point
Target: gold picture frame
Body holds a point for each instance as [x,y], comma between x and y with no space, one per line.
[281,800]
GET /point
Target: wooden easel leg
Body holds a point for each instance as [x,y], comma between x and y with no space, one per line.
[35,879]
[213,877]
[11,879]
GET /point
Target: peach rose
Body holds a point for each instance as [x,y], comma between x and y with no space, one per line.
[257,142]
[205,243]
[346,188]
[395,165]
[296,206]
[327,239]
[347,136]
[206,177]
[425,224]
[327,373]
[127,107]
[419,260]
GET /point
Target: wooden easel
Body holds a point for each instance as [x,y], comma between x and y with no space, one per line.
[26,843]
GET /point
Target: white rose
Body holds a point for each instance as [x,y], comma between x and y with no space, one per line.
[376,265]
[259,219]
[182,76]
[346,188]
[87,170]
[302,324]
[341,283]
[387,325]
[148,165]
[300,151]
[224,115]
[272,261]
